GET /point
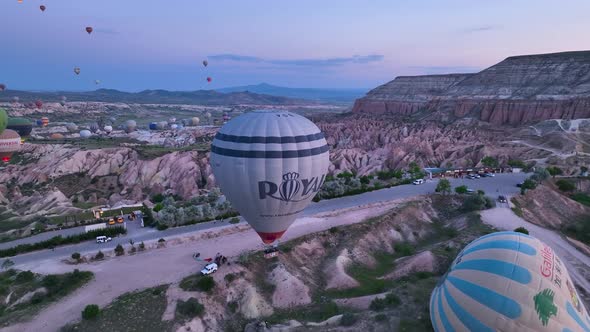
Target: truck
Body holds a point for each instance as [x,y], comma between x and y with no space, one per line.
[89,228]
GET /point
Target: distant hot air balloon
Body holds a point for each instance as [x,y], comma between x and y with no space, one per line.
[153,126]
[44,121]
[507,281]
[85,133]
[56,136]
[3,120]
[171,120]
[209,79]
[174,126]
[195,121]
[205,63]
[270,172]
[20,1]
[161,125]
[62,103]
[42,7]
[77,71]
[130,126]
[72,127]
[38,104]
[2,86]
[108,129]
[89,30]
[15,99]
[97,82]
[93,127]
[9,144]
[207,115]
[22,126]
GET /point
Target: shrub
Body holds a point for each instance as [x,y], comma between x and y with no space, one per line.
[403,249]
[333,230]
[190,308]
[365,179]
[162,227]
[380,318]
[522,230]
[132,250]
[389,301]
[461,189]
[232,306]
[481,192]
[348,319]
[141,246]
[229,277]
[99,255]
[234,220]
[581,198]
[90,312]
[474,203]
[443,186]
[157,198]
[76,256]
[119,250]
[158,207]
[516,163]
[7,264]
[489,161]
[554,171]
[565,185]
[197,283]
[25,276]
[37,298]
[205,283]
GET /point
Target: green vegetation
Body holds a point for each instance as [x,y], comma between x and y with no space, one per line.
[489,161]
[119,251]
[367,277]
[581,198]
[19,284]
[477,203]
[197,282]
[234,220]
[348,319]
[522,230]
[60,241]
[554,171]
[389,301]
[315,312]
[99,255]
[190,308]
[461,189]
[403,249]
[76,256]
[137,311]
[91,311]
[516,163]
[565,185]
[517,209]
[443,186]
[579,229]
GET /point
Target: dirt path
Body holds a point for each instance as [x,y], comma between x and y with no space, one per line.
[577,263]
[116,276]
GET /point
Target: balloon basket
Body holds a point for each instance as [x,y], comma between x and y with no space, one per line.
[271,252]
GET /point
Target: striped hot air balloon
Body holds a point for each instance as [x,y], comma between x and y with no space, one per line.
[9,144]
[44,121]
[270,164]
[507,281]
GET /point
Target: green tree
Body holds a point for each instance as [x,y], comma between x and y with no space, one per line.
[443,186]
[489,161]
[91,311]
[565,185]
[99,255]
[516,163]
[76,256]
[522,230]
[461,189]
[7,264]
[554,171]
[119,250]
[190,308]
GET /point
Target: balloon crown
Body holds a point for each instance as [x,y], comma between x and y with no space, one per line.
[290,176]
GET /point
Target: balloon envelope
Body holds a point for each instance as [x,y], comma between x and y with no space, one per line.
[56,136]
[42,8]
[195,121]
[209,79]
[89,30]
[507,281]
[3,120]
[9,143]
[38,103]
[130,126]
[72,127]
[205,63]
[108,129]
[22,126]
[85,133]
[77,70]
[2,87]
[269,164]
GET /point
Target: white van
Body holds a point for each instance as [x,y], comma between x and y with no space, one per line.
[209,268]
[103,239]
[418,181]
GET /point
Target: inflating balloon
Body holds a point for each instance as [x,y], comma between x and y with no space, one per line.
[9,144]
[3,120]
[507,281]
[89,30]
[270,164]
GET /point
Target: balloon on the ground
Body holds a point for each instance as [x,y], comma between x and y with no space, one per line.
[22,126]
[56,136]
[270,164]
[9,144]
[85,133]
[507,281]
[130,126]
[108,129]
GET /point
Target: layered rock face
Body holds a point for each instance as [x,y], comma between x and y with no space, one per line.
[518,90]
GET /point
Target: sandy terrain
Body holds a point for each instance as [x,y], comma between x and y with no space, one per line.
[577,263]
[116,276]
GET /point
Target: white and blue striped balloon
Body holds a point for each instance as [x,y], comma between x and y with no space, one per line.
[507,281]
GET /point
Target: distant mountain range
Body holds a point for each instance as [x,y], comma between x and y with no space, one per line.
[322,95]
[200,97]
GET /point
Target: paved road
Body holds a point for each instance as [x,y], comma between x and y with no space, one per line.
[502,183]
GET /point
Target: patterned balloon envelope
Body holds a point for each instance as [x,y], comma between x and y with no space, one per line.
[270,164]
[507,281]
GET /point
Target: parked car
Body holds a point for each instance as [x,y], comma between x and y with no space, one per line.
[111,221]
[502,199]
[472,176]
[208,269]
[418,181]
[489,175]
[120,219]
[103,239]
[519,184]
[470,191]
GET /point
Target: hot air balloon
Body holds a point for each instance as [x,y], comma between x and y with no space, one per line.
[97,82]
[108,129]
[44,121]
[195,121]
[56,136]
[22,126]
[130,126]
[89,30]
[15,99]
[72,127]
[85,133]
[42,7]
[507,281]
[3,120]
[174,126]
[2,87]
[153,126]
[20,1]
[93,127]
[38,103]
[171,120]
[77,71]
[205,63]
[209,79]
[62,103]
[161,125]
[9,144]
[270,164]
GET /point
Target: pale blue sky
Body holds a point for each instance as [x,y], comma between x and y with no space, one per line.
[155,44]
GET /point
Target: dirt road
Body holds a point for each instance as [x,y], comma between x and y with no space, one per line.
[116,276]
[577,263]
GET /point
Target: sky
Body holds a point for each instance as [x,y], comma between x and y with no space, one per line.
[138,45]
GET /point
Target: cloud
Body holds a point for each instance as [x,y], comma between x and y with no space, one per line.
[328,62]
[106,31]
[481,28]
[444,69]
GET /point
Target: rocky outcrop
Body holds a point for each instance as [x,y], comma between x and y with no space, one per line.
[518,90]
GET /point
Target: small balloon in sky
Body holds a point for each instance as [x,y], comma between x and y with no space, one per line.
[77,71]
[205,63]
[2,87]
[20,1]
[89,30]
[209,79]
[42,7]
[96,82]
